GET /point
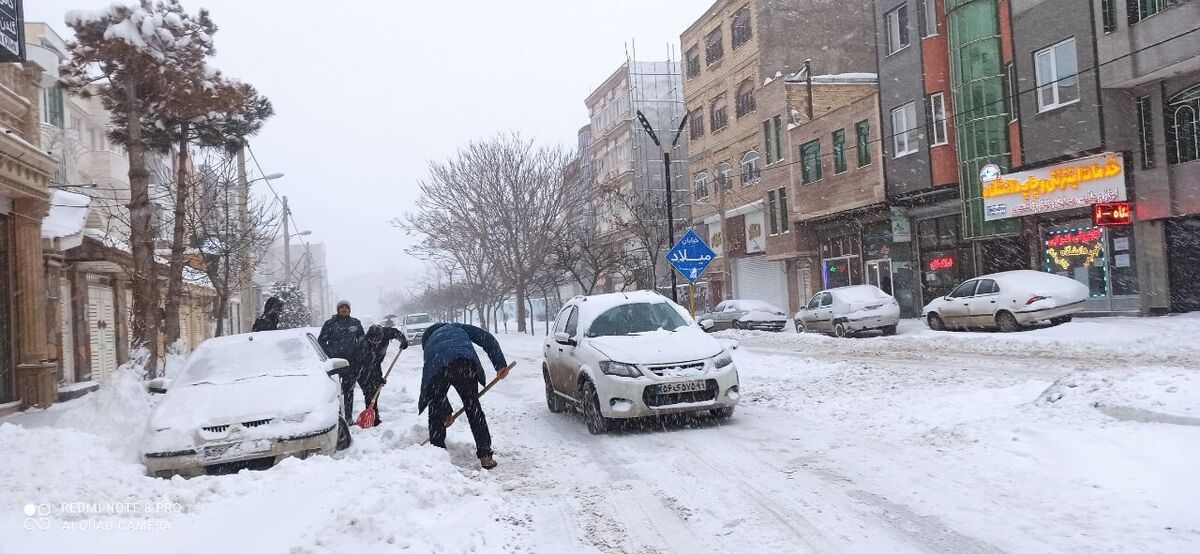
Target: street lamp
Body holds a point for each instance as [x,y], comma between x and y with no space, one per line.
[666,157]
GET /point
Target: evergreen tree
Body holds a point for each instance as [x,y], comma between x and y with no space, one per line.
[295,306]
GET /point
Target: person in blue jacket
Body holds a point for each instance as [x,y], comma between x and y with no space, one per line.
[450,361]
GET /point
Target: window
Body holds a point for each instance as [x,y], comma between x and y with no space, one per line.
[719,119]
[744,102]
[937,119]
[714,49]
[1108,10]
[1057,82]
[52,102]
[696,123]
[772,212]
[778,138]
[572,322]
[826,299]
[815,302]
[839,151]
[725,175]
[783,209]
[862,142]
[1145,132]
[1183,126]
[740,30]
[904,130]
[1011,96]
[750,170]
[1141,9]
[987,286]
[766,126]
[700,185]
[693,63]
[964,290]
[810,161]
[930,17]
[897,29]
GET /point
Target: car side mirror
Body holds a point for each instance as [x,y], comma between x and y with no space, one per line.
[563,338]
[336,365]
[158,385]
[730,344]
[707,323]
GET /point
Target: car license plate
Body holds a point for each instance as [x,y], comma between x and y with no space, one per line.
[685,386]
[236,448]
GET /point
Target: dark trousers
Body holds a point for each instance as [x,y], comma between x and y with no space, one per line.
[370,381]
[348,397]
[460,375]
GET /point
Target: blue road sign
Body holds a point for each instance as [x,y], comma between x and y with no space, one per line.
[690,256]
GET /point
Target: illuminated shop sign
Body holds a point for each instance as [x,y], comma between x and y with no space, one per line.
[946,262]
[1076,184]
[1112,214]
[1074,249]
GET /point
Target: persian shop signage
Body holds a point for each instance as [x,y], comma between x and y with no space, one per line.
[1074,248]
[12,31]
[945,262]
[1074,184]
[1111,214]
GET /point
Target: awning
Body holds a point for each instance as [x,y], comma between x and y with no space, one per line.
[67,218]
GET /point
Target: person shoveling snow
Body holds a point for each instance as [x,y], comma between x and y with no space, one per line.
[450,361]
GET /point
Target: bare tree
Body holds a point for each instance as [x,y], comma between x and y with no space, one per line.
[642,216]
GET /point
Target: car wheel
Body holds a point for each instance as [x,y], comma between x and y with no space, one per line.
[343,441]
[840,331]
[888,331]
[554,402]
[1060,320]
[597,424]
[722,413]
[736,325]
[1007,322]
[936,323]
[799,326]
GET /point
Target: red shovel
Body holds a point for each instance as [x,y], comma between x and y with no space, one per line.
[366,419]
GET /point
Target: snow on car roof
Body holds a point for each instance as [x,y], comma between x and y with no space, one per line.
[1042,281]
[228,359]
[859,292]
[750,304]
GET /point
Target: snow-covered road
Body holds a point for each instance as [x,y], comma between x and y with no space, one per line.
[922,442]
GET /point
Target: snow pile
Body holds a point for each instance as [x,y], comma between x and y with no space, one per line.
[117,412]
[1148,395]
[68,214]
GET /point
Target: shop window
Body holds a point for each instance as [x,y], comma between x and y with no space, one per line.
[1056,71]
[839,151]
[1078,252]
[1122,266]
[1183,126]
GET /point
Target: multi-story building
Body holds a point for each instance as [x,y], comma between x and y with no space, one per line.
[737,57]
[626,167]
[831,222]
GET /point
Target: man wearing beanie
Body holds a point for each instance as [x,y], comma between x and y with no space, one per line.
[339,338]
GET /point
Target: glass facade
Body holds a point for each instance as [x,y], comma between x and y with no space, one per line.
[977,75]
[1100,257]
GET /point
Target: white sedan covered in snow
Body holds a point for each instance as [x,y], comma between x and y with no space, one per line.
[626,355]
[744,314]
[845,311]
[245,402]
[1007,301]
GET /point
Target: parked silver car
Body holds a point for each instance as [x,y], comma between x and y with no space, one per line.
[743,314]
[1007,301]
[845,311]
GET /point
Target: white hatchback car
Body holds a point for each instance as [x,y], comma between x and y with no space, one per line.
[845,311]
[1008,301]
[626,355]
[245,402]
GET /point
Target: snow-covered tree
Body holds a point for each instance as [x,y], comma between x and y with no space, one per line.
[295,305]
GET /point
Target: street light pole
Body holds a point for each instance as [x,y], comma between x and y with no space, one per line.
[287,245]
[670,193]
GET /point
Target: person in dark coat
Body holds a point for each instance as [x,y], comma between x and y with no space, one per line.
[450,361]
[369,359]
[339,338]
[269,320]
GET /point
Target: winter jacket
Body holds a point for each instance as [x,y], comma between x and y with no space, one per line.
[268,321]
[446,342]
[369,357]
[339,337]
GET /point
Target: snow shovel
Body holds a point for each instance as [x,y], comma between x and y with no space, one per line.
[366,419]
[450,420]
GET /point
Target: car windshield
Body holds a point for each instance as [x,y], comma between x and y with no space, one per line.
[418,319]
[631,319]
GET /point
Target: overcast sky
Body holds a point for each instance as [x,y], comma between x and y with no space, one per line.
[366,92]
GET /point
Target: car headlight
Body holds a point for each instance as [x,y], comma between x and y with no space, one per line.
[620,369]
[723,359]
[294,418]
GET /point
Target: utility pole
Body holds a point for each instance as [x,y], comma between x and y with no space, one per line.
[727,260]
[243,271]
[287,245]
[670,193]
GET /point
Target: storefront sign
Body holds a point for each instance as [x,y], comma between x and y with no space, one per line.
[1076,184]
[941,263]
[901,227]
[1079,248]
[1112,214]
[12,31]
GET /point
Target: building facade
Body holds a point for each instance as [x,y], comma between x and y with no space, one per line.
[738,57]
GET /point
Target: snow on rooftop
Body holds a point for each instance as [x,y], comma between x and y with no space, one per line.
[837,78]
[68,214]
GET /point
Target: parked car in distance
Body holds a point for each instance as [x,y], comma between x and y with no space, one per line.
[743,314]
[246,402]
[627,355]
[1007,301]
[846,311]
[414,326]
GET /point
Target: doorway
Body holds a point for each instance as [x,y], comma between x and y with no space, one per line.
[879,273]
